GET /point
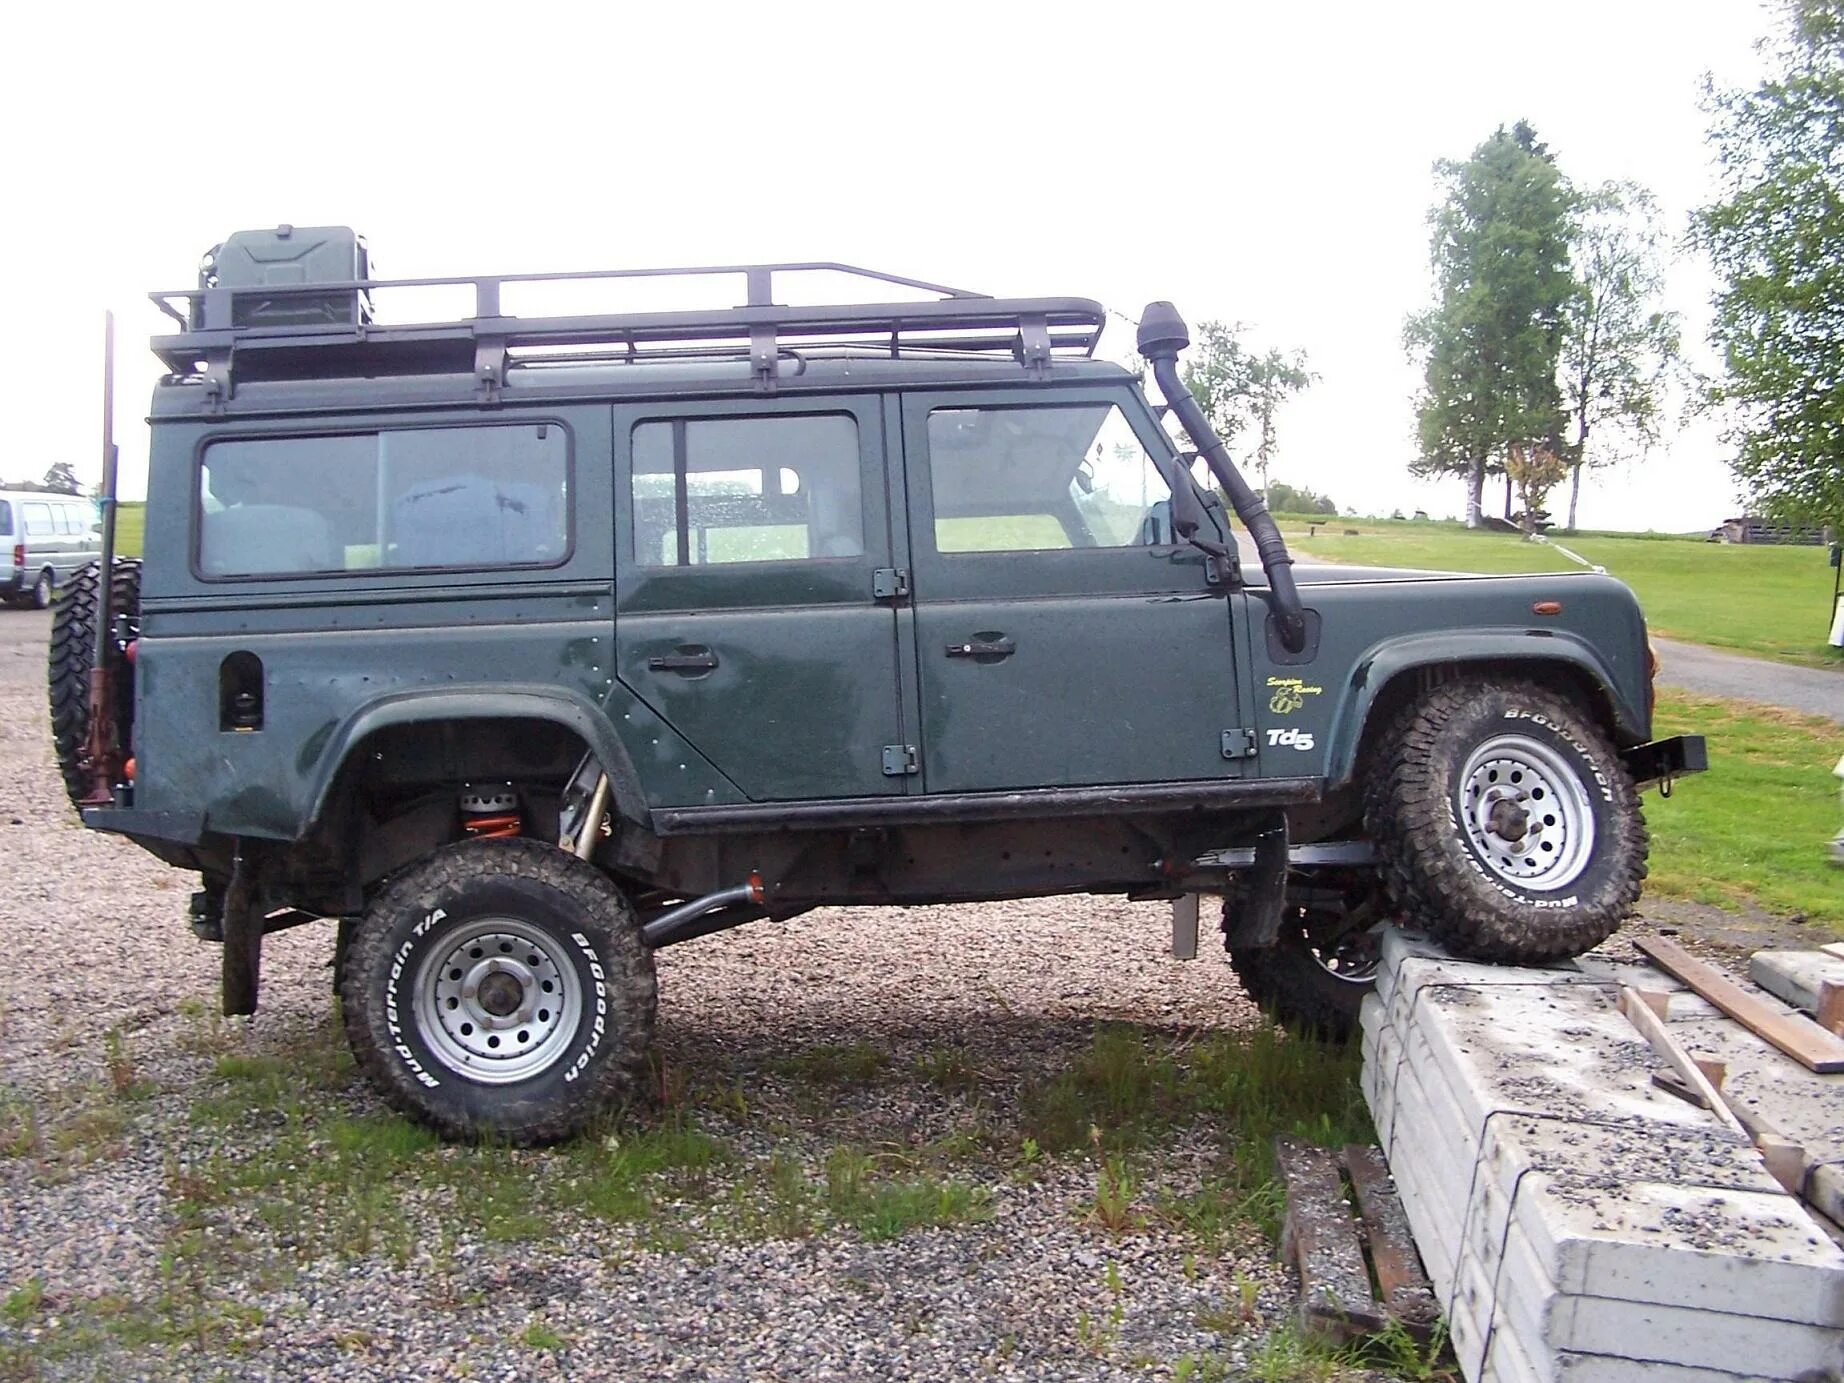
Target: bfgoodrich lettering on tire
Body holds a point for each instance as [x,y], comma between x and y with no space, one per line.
[1506,824]
[500,989]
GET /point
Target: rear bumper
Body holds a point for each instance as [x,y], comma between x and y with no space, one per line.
[1664,759]
[12,580]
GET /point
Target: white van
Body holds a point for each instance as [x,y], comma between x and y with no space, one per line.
[43,538]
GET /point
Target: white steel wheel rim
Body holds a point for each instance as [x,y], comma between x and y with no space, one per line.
[498,1000]
[1526,813]
[1351,958]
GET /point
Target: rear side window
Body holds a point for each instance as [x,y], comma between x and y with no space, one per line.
[39,523]
[6,517]
[447,497]
[772,489]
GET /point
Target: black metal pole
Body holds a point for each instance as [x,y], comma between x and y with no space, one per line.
[101,750]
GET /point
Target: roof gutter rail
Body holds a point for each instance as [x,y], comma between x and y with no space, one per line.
[1162,336]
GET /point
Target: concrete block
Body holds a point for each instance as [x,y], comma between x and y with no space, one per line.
[1598,1368]
[1703,1247]
[1794,977]
[1410,963]
[1507,1361]
[1825,1191]
[1427,1209]
[1552,1323]
[1805,1107]
[1575,1221]
[1516,1351]
[1561,1050]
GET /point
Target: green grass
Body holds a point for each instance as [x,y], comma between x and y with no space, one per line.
[1752,830]
[1125,1090]
[130,527]
[1773,602]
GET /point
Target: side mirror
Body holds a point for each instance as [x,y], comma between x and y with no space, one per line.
[1156,527]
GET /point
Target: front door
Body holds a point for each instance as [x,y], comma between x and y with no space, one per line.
[1062,639]
[751,539]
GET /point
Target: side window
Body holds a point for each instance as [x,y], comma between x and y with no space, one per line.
[70,520]
[6,517]
[39,523]
[765,489]
[445,497]
[1042,477]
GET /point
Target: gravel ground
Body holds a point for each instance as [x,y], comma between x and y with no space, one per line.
[119,1264]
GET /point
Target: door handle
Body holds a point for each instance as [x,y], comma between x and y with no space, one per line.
[986,646]
[685,660]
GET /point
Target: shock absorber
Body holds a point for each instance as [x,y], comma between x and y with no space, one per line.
[491,811]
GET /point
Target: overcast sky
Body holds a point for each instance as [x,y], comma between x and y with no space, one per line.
[1270,166]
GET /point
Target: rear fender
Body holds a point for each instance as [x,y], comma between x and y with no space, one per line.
[555,704]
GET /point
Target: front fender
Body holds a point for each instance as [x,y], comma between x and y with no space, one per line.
[1481,650]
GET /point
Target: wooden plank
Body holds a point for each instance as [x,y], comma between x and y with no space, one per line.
[1671,1085]
[1642,1016]
[1807,1043]
[1834,948]
[1319,1239]
[1831,1007]
[1405,1289]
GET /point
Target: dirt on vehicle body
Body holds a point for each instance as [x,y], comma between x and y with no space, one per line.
[522,646]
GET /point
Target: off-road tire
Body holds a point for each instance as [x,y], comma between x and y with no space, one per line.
[1442,879]
[1287,981]
[73,653]
[586,923]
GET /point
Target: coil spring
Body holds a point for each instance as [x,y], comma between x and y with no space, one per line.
[493,827]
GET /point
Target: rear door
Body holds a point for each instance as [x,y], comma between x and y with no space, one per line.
[1062,639]
[751,537]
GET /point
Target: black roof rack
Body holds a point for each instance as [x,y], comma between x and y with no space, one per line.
[224,335]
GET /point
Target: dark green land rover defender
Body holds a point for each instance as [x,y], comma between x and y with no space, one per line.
[521,644]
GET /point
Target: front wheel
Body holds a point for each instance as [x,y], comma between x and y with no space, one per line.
[500,989]
[1506,824]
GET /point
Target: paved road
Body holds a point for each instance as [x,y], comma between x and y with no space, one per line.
[1814,690]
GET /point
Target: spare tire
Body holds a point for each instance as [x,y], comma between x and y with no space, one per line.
[73,653]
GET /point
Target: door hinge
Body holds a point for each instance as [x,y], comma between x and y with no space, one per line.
[901,759]
[1238,744]
[890,583]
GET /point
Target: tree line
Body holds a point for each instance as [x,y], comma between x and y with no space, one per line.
[60,479]
[1546,351]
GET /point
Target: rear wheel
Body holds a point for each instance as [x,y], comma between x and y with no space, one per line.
[1323,962]
[73,653]
[1507,826]
[42,591]
[500,989]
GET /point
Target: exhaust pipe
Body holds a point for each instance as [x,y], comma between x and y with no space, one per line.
[1162,335]
[681,923]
